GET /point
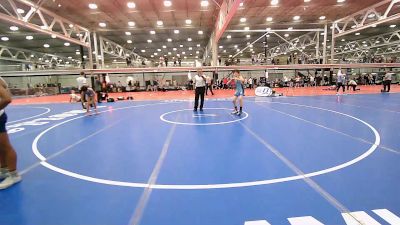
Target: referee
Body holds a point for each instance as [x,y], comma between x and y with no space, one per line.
[199,82]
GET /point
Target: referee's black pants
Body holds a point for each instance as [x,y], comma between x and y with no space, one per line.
[386,85]
[199,93]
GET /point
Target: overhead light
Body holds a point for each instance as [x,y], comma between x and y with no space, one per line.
[131,24]
[160,23]
[164,46]
[286,35]
[71,26]
[131,5]
[204,3]
[224,51]
[169,53]
[20,11]
[5,38]
[221,47]
[143,51]
[14,28]
[129,41]
[77,53]
[92,6]
[189,39]
[152,32]
[102,24]
[243,19]
[197,52]
[167,3]
[46,45]
[159,50]
[340,1]
[238,50]
[322,17]
[307,0]
[269,19]
[357,34]
[53,36]
[371,15]
[392,26]
[198,45]
[274,2]
[229,36]
[149,41]
[169,40]
[236,46]
[181,46]
[67,44]
[248,36]
[176,31]
[29,37]
[354,26]
[188,21]
[190,48]
[290,28]
[128,33]
[183,53]
[241,4]
[374,25]
[296,18]
[174,49]
[200,32]
[247,28]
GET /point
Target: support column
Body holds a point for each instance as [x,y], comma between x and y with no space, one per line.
[96,51]
[90,54]
[333,45]
[214,51]
[325,43]
[102,52]
[317,55]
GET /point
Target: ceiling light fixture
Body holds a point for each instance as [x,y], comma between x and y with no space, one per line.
[129,41]
[5,39]
[29,37]
[269,19]
[131,24]
[204,3]
[102,24]
[188,21]
[169,40]
[176,31]
[200,32]
[242,20]
[167,3]
[92,6]
[128,33]
[67,44]
[160,23]
[131,5]
[229,36]
[149,41]
[322,17]
[20,11]
[14,28]
[296,18]
[189,39]
[46,45]
[274,2]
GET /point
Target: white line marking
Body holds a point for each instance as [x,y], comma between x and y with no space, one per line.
[162,117]
[306,220]
[41,114]
[258,222]
[69,147]
[144,199]
[388,216]
[359,218]
[204,115]
[214,186]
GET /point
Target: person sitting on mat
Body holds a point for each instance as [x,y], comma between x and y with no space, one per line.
[239,93]
[74,97]
[352,83]
[8,156]
[90,96]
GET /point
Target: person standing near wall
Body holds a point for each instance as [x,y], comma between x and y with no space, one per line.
[209,83]
[387,81]
[82,82]
[199,82]
[8,156]
[341,81]
[97,88]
